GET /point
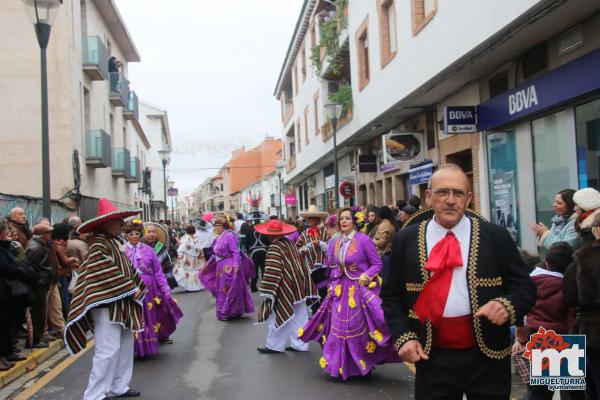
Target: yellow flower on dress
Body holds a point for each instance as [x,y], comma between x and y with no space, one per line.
[363,364]
[322,362]
[136,336]
[338,290]
[380,280]
[323,339]
[150,305]
[372,285]
[371,346]
[341,371]
[320,327]
[339,308]
[156,327]
[157,300]
[377,335]
[300,331]
[351,301]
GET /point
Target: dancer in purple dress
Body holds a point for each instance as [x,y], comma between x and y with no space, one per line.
[161,313]
[224,275]
[350,324]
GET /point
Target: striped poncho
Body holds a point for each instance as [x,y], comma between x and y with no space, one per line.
[315,257]
[106,278]
[286,281]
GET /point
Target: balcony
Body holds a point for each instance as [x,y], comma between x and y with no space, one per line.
[327,129]
[121,163]
[291,164]
[119,89]
[130,111]
[135,171]
[97,149]
[95,58]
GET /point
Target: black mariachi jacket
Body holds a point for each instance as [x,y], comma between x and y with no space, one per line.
[495,271]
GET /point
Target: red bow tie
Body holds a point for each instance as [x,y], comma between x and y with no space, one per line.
[444,257]
[313,232]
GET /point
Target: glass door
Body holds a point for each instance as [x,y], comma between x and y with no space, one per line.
[587,117]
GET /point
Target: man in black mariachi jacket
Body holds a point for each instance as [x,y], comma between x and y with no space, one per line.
[455,285]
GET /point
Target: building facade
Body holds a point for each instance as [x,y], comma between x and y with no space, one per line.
[393,74]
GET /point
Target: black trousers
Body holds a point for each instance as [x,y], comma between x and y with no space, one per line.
[450,373]
[39,311]
[259,263]
[7,326]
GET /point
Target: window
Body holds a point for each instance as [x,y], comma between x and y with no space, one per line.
[362,45]
[498,84]
[313,35]
[587,117]
[423,12]
[299,135]
[316,112]
[535,60]
[306,125]
[295,69]
[387,30]
[550,161]
[430,118]
[303,61]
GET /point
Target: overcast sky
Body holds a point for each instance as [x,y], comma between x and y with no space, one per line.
[213,66]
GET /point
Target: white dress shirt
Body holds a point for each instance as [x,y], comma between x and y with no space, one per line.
[458,303]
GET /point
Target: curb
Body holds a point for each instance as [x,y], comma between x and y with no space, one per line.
[34,358]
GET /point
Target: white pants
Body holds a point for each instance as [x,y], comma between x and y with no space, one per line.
[112,366]
[276,340]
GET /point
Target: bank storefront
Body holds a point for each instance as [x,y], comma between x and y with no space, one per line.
[541,137]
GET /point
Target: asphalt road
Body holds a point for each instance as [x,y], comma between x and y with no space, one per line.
[210,359]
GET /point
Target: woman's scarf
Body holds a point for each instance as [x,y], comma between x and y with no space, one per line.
[558,223]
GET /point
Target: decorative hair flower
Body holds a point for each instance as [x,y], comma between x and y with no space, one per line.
[360,218]
[136,221]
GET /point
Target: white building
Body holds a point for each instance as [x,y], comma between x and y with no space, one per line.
[268,190]
[97,145]
[406,61]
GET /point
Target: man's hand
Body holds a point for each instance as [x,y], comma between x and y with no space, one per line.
[412,351]
[364,279]
[494,311]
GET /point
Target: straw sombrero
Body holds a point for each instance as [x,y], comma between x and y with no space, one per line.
[313,212]
[107,211]
[275,228]
[161,231]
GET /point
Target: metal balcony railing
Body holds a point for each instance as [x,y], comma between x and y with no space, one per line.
[135,171]
[121,163]
[131,111]
[119,89]
[97,149]
[95,58]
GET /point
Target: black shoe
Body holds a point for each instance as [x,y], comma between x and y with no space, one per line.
[253,289]
[40,345]
[17,357]
[129,393]
[290,348]
[166,341]
[266,350]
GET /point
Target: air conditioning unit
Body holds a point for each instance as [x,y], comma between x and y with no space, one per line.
[333,87]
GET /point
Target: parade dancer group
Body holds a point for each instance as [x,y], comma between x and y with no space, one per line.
[454,285]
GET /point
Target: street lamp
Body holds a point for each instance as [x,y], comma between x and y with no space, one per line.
[279,167]
[42,14]
[334,112]
[165,158]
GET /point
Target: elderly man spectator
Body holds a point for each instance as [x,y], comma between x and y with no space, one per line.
[73,223]
[39,256]
[19,226]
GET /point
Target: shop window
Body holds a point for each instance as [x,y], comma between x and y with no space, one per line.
[587,117]
[502,171]
[498,84]
[535,60]
[362,48]
[551,166]
[387,30]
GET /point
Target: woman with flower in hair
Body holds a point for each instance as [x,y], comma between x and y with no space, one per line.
[224,275]
[161,313]
[350,324]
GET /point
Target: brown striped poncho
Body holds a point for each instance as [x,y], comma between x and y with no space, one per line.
[315,257]
[106,277]
[286,281]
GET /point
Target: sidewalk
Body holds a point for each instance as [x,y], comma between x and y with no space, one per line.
[34,358]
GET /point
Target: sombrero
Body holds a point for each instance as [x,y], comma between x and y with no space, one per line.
[313,212]
[275,228]
[161,231]
[207,217]
[426,214]
[107,211]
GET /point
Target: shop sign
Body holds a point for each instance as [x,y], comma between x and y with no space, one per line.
[562,84]
[367,163]
[460,119]
[347,189]
[420,173]
[402,147]
[290,199]
[172,192]
[329,181]
[389,167]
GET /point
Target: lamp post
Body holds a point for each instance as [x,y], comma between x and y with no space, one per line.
[280,166]
[164,156]
[334,112]
[42,14]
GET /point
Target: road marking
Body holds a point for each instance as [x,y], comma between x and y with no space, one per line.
[44,380]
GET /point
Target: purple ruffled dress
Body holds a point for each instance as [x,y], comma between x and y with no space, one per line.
[225,277]
[350,325]
[161,312]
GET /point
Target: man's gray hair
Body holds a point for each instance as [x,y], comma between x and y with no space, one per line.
[74,222]
[451,167]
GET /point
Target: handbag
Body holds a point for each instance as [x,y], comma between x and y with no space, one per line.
[17,288]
